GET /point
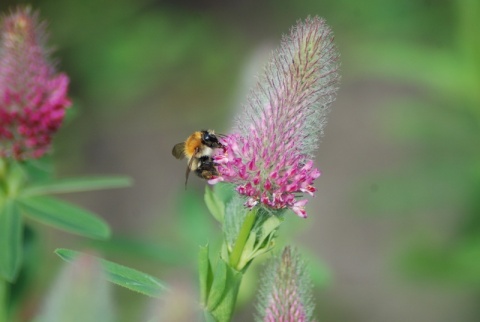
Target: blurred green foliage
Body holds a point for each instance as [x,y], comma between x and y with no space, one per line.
[440,126]
[79,293]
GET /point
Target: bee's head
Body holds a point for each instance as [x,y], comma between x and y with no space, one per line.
[209,139]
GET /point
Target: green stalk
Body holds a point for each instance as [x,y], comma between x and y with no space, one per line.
[3,300]
[3,283]
[227,277]
[3,176]
[242,238]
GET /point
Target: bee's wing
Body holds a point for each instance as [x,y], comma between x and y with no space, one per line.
[178,150]
[189,167]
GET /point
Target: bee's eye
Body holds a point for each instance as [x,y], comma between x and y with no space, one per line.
[209,137]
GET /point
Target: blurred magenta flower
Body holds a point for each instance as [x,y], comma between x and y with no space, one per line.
[270,155]
[285,293]
[33,97]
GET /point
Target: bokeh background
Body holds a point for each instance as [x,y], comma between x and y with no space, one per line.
[394,230]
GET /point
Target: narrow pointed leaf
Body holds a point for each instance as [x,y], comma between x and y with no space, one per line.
[121,275]
[218,285]
[65,216]
[10,240]
[77,185]
[224,309]
[270,225]
[248,251]
[205,274]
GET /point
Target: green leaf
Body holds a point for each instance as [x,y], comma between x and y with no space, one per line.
[227,294]
[243,235]
[214,204]
[205,274]
[77,185]
[10,240]
[65,216]
[209,317]
[121,275]
[32,252]
[218,285]
[249,250]
[269,226]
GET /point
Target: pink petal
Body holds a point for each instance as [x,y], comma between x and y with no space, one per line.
[216,180]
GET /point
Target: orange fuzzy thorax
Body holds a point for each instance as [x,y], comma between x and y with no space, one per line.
[193,143]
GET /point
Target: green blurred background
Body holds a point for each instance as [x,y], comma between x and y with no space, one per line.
[394,230]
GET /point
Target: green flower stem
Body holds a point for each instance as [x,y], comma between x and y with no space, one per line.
[225,278]
[242,238]
[3,300]
[3,283]
[3,176]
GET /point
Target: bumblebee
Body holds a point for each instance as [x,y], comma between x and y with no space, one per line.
[198,149]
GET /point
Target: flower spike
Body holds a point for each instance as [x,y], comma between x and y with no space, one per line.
[285,291]
[269,155]
[33,97]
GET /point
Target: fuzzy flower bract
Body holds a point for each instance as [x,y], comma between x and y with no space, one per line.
[285,292]
[269,156]
[33,97]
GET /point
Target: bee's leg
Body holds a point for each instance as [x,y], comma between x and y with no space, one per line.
[205,174]
[206,168]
